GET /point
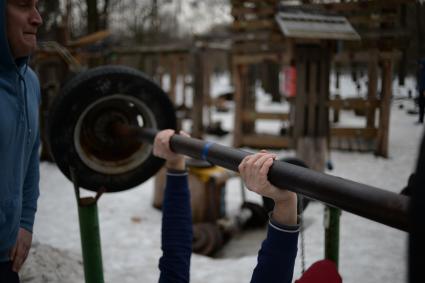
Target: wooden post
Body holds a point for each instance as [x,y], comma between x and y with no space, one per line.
[159,69]
[372,87]
[312,126]
[173,77]
[336,110]
[182,73]
[385,109]
[324,94]
[239,71]
[312,98]
[207,84]
[270,79]
[312,115]
[248,103]
[300,99]
[198,95]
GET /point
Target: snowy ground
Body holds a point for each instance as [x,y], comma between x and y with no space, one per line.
[130,226]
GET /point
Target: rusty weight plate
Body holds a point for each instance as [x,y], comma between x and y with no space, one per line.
[81,117]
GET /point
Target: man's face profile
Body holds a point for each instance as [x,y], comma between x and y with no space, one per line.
[22,22]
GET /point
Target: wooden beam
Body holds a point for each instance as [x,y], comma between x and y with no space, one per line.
[354,103]
[255,47]
[366,133]
[263,3]
[254,24]
[364,56]
[252,116]
[257,11]
[266,141]
[258,36]
[240,59]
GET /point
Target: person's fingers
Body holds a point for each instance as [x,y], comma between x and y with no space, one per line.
[253,159]
[18,260]
[266,166]
[13,252]
[161,143]
[244,164]
[166,141]
[256,166]
[260,162]
[252,172]
[17,264]
[183,133]
[261,159]
[251,166]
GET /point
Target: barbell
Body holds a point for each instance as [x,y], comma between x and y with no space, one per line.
[103,124]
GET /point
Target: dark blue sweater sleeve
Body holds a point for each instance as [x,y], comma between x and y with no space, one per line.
[276,258]
[176,246]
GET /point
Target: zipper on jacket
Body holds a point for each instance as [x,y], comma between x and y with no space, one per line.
[24,98]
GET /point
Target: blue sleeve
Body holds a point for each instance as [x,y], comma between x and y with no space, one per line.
[176,243]
[276,259]
[31,189]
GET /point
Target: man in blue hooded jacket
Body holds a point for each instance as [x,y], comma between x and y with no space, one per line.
[19,134]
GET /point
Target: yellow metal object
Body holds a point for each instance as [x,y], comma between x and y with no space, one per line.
[205,174]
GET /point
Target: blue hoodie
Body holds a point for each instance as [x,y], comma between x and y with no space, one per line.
[19,143]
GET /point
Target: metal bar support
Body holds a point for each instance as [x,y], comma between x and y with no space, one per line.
[332,216]
[90,234]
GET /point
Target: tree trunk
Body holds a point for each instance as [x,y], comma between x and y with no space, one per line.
[92,16]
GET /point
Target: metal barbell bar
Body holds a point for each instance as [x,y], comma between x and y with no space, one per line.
[367,201]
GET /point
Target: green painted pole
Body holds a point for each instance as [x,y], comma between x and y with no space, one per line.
[89,233]
[332,216]
[90,240]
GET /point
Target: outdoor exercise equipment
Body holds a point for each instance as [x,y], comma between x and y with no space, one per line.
[106,119]
[80,121]
[92,158]
[103,124]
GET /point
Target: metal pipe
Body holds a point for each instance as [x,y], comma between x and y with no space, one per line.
[90,240]
[89,233]
[332,216]
[370,202]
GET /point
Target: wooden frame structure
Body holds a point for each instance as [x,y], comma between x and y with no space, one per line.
[180,60]
[257,39]
[381,25]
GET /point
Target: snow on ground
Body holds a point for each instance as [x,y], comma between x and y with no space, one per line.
[130,226]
